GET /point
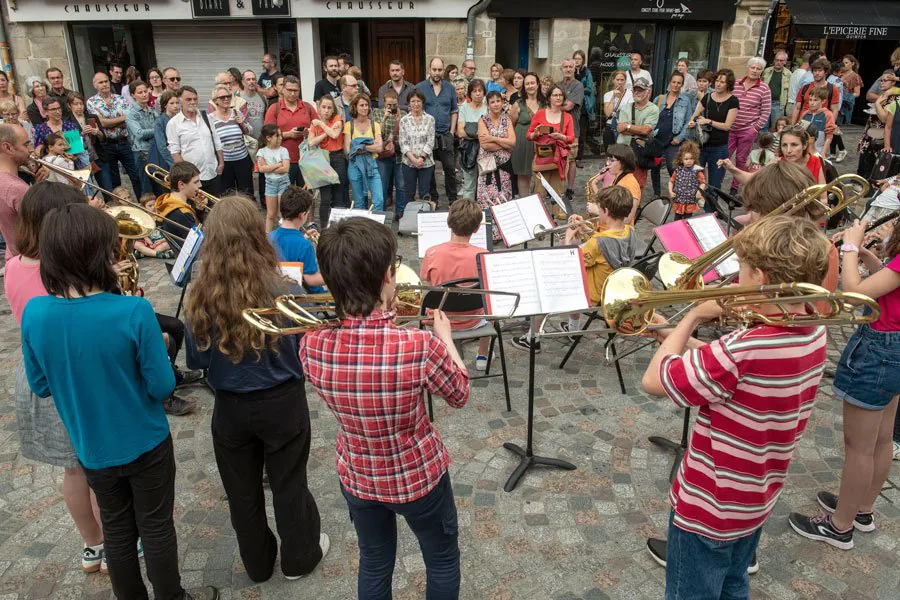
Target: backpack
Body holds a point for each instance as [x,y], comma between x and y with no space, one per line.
[806,89]
[409,222]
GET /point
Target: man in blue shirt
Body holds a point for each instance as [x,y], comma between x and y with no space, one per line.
[440,103]
[289,240]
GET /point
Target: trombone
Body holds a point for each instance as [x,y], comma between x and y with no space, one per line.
[676,271]
[540,232]
[161,176]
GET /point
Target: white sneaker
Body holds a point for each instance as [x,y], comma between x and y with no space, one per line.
[841,155]
[324,544]
[91,559]
[481,362]
[896,450]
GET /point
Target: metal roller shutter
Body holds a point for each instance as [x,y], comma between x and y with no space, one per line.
[199,50]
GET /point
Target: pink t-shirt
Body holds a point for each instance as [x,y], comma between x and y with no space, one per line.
[448,261]
[22,282]
[11,191]
[890,304]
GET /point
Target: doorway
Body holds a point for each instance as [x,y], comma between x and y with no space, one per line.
[389,40]
[512,43]
[96,45]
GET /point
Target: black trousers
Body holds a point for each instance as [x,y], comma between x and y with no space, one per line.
[443,153]
[237,176]
[337,195]
[175,328]
[137,500]
[268,427]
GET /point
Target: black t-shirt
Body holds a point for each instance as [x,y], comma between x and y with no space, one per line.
[718,111]
[325,88]
[266,81]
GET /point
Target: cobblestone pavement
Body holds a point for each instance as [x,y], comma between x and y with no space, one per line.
[560,535]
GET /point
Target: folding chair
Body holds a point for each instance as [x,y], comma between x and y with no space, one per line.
[463,302]
[657,212]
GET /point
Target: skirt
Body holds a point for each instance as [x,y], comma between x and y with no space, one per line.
[42,435]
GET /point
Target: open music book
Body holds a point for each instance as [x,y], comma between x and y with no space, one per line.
[549,280]
[517,219]
[433,230]
[187,255]
[339,214]
[294,270]
[695,236]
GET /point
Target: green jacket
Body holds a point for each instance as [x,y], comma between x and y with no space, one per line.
[785,82]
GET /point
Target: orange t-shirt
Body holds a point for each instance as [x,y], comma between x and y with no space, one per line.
[330,144]
[449,261]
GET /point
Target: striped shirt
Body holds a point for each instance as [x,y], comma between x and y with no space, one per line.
[231,135]
[755,388]
[756,104]
[373,375]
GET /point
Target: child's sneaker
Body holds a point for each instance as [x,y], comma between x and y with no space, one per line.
[481,362]
[91,559]
[821,528]
[525,343]
[864,522]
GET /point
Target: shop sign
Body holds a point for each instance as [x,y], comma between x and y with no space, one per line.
[615,10]
[73,10]
[848,32]
[388,9]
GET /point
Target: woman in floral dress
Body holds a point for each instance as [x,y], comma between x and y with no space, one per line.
[497,139]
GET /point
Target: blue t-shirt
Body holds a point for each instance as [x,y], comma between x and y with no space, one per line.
[292,246]
[439,106]
[103,360]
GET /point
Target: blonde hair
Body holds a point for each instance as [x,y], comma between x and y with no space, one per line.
[123,192]
[786,249]
[216,88]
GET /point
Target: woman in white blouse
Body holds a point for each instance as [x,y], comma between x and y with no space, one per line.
[417,145]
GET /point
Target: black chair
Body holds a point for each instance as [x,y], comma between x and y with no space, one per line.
[657,212]
[647,265]
[454,302]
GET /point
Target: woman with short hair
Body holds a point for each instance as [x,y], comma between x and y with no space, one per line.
[37,89]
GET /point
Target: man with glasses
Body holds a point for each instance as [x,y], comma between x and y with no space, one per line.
[398,83]
[266,81]
[191,138]
[778,78]
[349,88]
[293,117]
[329,84]
[110,110]
[440,103]
[171,79]
[646,117]
[58,90]
[468,70]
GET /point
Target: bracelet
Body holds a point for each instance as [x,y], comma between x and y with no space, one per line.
[849,248]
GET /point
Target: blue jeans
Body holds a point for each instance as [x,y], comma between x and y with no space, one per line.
[108,177]
[392,179]
[846,112]
[867,375]
[139,164]
[417,179]
[359,183]
[709,157]
[432,519]
[777,111]
[699,567]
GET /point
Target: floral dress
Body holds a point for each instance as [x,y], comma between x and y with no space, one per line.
[495,187]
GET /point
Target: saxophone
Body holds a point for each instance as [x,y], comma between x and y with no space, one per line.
[588,188]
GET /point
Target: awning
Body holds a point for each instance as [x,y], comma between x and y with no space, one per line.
[845,19]
[676,11]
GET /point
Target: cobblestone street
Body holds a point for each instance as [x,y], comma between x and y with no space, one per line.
[560,535]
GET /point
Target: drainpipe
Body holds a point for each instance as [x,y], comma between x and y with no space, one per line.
[474,11]
[764,32]
[5,55]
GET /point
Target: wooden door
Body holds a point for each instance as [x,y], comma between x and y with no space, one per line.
[389,40]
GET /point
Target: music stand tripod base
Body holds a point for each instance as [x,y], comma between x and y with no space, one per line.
[678,448]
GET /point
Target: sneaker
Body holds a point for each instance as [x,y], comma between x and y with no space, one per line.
[481,362]
[658,549]
[896,450]
[187,377]
[570,194]
[140,548]
[841,155]
[207,592]
[324,544]
[579,164]
[524,343]
[91,559]
[864,522]
[177,406]
[820,528]
[564,326]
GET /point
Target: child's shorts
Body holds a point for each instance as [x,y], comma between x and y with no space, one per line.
[276,187]
[868,374]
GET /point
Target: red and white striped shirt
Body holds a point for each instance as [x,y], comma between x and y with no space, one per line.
[755,388]
[756,105]
[373,375]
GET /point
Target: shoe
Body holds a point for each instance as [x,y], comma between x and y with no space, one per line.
[206,592]
[91,560]
[187,377]
[481,362]
[658,549]
[177,406]
[579,164]
[821,529]
[841,155]
[324,544]
[564,326]
[570,194]
[864,522]
[104,567]
[524,343]
[896,450]
[140,548]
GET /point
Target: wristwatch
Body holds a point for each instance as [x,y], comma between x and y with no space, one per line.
[628,127]
[849,247]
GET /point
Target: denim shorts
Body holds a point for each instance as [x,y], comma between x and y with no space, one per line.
[276,187]
[868,374]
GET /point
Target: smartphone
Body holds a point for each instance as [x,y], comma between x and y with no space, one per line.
[92,121]
[299,129]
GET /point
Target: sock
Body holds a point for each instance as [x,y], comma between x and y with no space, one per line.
[96,548]
[530,335]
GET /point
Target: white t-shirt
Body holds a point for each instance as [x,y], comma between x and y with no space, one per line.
[626,98]
[630,77]
[272,157]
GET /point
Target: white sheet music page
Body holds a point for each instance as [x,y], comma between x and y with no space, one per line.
[561,280]
[534,213]
[556,197]
[339,214]
[709,234]
[508,218]
[433,230]
[511,272]
[187,255]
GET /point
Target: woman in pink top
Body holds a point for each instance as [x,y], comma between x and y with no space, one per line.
[868,381]
[43,437]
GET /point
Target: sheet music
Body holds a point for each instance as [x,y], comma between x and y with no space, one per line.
[511,272]
[561,280]
[187,255]
[709,234]
[534,213]
[508,217]
[339,214]
[433,230]
[556,197]
[294,270]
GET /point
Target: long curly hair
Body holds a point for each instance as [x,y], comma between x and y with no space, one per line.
[239,270]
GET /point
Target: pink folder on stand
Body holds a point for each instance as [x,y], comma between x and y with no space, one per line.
[693,237]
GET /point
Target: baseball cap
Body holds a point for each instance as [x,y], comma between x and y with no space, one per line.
[642,82]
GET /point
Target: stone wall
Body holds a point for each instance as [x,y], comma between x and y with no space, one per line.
[447,38]
[566,36]
[35,47]
[740,39]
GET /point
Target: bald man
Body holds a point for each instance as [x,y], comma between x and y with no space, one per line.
[110,111]
[15,150]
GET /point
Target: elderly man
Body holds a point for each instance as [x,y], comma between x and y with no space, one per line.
[468,69]
[237,103]
[398,83]
[440,103]
[753,116]
[110,110]
[191,138]
[646,117]
[268,77]
[574,90]
[15,150]
[171,79]
[58,90]
[328,85]
[778,78]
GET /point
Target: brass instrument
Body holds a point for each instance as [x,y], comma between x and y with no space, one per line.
[161,176]
[133,225]
[629,303]
[676,271]
[588,188]
[540,232]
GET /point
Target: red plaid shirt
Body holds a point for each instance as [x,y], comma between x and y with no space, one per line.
[372,375]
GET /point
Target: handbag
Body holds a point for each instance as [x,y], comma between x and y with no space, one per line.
[252,146]
[487,163]
[645,154]
[315,166]
[388,151]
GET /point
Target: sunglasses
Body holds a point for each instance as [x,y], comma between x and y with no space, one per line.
[173,78]
[223,97]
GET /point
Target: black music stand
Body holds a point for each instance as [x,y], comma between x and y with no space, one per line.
[679,448]
[527,457]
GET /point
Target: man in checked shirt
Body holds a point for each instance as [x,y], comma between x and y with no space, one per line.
[372,375]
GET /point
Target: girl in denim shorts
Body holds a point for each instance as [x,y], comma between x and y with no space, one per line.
[272,159]
[868,381]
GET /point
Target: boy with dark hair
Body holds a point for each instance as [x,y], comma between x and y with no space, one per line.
[737,459]
[290,241]
[457,259]
[821,119]
[372,375]
[182,202]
